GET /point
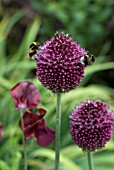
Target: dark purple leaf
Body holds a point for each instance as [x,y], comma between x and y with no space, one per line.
[35,124]
[25,95]
[42,112]
[44,136]
[31,122]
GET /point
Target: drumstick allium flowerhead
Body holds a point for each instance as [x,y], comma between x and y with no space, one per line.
[91,125]
[59,65]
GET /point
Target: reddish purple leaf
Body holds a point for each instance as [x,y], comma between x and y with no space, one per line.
[29,118]
[25,95]
[35,124]
[1,131]
[42,112]
[31,122]
[29,130]
[44,136]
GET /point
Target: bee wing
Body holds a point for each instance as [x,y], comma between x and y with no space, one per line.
[27,52]
[25,59]
[25,55]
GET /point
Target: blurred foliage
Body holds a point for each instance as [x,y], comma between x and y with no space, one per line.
[89,22]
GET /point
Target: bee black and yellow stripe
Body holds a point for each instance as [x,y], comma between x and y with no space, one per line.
[88,59]
[34,46]
[88,56]
[32,53]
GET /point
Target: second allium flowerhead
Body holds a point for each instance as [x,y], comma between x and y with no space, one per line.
[59,65]
[91,125]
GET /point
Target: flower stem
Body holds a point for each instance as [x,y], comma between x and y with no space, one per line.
[90,160]
[58,129]
[24,141]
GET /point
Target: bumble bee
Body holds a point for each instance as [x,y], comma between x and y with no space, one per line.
[88,59]
[33,50]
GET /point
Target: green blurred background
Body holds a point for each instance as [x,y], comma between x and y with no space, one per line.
[91,23]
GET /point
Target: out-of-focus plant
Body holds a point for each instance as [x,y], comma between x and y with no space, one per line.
[85,20]
[1,131]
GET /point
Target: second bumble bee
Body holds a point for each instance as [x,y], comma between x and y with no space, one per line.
[88,59]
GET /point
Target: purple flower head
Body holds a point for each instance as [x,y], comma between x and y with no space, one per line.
[1,131]
[35,125]
[91,125]
[59,65]
[25,95]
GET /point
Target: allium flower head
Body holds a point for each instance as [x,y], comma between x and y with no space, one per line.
[91,125]
[59,65]
[34,124]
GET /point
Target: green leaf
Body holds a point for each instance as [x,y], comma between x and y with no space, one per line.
[16,158]
[18,65]
[6,84]
[29,37]
[98,67]
[72,151]
[4,165]
[50,154]
[13,19]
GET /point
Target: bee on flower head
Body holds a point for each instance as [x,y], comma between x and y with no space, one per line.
[88,59]
[33,50]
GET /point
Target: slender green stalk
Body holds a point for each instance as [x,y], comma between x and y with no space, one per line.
[90,160]
[24,141]
[58,129]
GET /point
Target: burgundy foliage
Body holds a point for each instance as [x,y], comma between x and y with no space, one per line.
[35,125]
[25,95]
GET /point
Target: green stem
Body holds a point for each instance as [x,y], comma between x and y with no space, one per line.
[24,141]
[58,129]
[90,160]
